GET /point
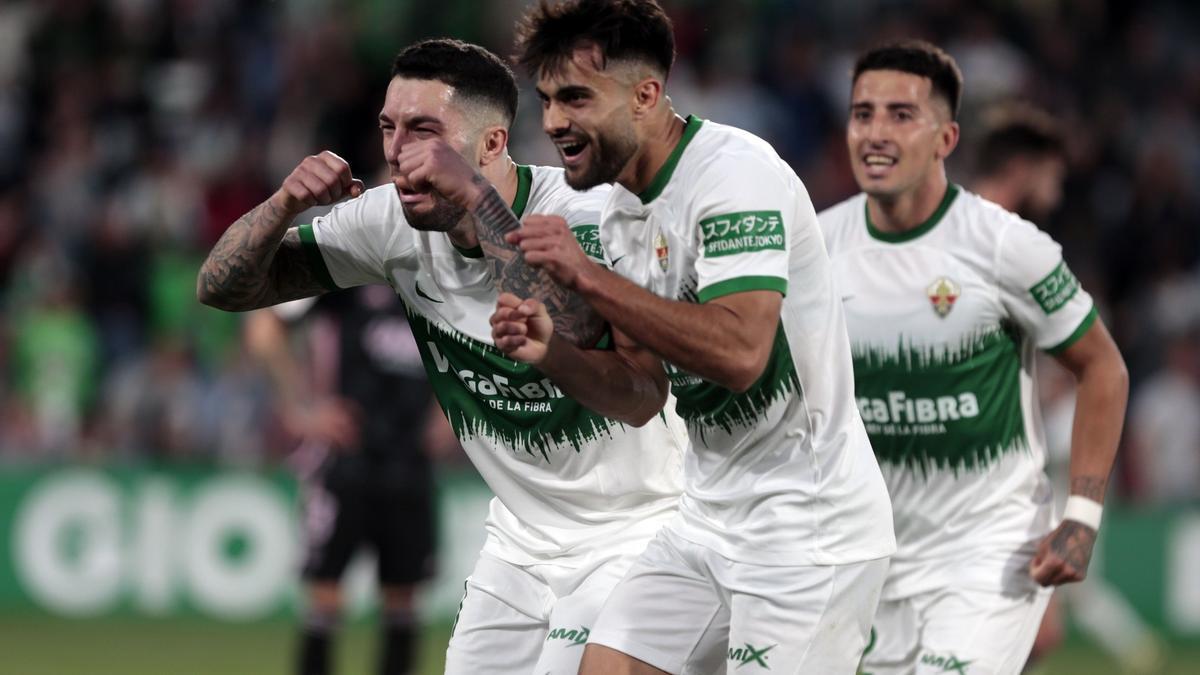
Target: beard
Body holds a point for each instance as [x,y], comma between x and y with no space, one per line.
[442,217]
[611,151]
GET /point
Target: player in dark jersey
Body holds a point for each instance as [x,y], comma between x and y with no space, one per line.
[366,479]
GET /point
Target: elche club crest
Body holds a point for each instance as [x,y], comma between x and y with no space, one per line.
[661,250]
[942,294]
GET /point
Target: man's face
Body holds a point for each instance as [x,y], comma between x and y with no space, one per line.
[897,132]
[586,112]
[416,110]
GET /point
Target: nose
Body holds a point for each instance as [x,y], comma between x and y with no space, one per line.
[554,122]
[877,130]
[393,145]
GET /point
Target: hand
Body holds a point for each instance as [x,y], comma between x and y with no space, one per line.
[549,244]
[1063,556]
[317,181]
[333,421]
[522,329]
[433,165]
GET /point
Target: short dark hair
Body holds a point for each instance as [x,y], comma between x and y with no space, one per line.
[1017,130]
[473,72]
[623,30]
[919,58]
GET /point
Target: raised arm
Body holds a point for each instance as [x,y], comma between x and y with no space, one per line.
[258,261]
[433,163]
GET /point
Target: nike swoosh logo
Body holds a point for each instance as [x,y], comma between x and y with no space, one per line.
[617,260]
[423,294]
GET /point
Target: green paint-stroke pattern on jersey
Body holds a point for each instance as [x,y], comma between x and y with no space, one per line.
[1056,290]
[487,395]
[949,406]
[706,406]
[742,232]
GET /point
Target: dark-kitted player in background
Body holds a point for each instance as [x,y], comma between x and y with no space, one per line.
[365,413]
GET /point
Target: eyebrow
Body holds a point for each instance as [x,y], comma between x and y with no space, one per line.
[888,106]
[565,91]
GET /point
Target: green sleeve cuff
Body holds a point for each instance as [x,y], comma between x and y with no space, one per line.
[741,285]
[1078,333]
[316,261]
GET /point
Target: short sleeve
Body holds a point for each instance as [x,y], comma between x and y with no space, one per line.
[745,207]
[348,245]
[1039,290]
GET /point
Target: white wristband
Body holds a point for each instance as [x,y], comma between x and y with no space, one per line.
[1083,510]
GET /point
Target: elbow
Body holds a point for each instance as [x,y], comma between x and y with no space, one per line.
[203,294]
[740,373]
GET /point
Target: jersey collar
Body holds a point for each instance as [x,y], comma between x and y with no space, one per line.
[952,191]
[520,201]
[691,126]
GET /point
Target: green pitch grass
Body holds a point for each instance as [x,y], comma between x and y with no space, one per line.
[39,645]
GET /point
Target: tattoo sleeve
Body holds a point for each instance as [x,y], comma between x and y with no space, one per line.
[257,264]
[574,319]
[1090,487]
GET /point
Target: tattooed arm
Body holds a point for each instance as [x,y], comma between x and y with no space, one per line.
[1102,386]
[433,163]
[574,319]
[258,261]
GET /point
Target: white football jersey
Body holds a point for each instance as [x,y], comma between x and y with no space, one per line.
[782,473]
[567,481]
[944,322]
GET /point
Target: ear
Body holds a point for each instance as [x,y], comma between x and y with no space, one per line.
[947,139]
[646,95]
[493,145]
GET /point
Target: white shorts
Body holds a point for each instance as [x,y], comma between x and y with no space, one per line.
[521,620]
[682,605]
[955,631]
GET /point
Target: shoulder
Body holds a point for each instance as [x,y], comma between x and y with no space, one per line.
[550,192]
[841,219]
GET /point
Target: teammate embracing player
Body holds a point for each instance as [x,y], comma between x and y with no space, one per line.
[578,494]
[947,297]
[780,548]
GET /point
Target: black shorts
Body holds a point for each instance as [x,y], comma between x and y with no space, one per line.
[350,504]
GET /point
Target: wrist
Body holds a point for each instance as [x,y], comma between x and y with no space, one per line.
[1083,510]
[285,203]
[587,280]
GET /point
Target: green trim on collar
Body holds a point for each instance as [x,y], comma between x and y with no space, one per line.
[524,183]
[473,252]
[664,172]
[520,201]
[952,191]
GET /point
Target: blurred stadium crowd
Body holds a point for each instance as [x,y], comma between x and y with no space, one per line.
[132,132]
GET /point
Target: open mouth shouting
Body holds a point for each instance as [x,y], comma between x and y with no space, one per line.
[572,150]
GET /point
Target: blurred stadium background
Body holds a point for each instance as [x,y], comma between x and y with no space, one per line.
[147,514]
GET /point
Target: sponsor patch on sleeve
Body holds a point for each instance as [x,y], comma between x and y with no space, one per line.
[1056,289]
[744,232]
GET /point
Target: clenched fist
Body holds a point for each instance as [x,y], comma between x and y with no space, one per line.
[318,180]
[433,165]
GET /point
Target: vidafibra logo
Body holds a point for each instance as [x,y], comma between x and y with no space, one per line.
[948,663]
[576,636]
[750,654]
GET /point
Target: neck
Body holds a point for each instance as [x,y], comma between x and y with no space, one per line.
[998,191]
[502,174]
[906,211]
[660,139]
